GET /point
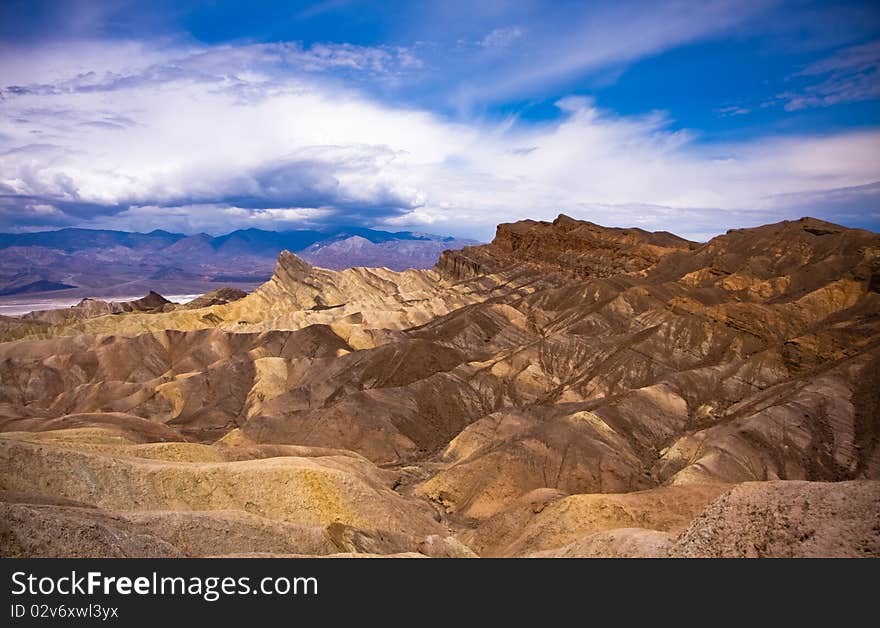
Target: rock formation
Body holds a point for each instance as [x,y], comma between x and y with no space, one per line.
[567,390]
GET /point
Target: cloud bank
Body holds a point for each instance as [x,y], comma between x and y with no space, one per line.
[210,138]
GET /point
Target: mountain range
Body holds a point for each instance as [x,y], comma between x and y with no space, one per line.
[86,262]
[567,390]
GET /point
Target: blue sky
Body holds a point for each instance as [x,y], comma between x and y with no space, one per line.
[446,117]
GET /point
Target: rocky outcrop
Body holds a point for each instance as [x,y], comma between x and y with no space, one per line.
[571,247]
[585,249]
[93,308]
[220,296]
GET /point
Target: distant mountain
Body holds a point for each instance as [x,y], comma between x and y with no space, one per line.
[87,262]
[36,286]
[396,254]
[258,242]
[71,240]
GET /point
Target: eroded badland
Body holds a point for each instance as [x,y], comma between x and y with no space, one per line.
[567,390]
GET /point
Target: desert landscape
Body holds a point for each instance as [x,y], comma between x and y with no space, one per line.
[509,280]
[568,390]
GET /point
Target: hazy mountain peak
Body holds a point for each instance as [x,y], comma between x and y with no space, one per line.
[82,262]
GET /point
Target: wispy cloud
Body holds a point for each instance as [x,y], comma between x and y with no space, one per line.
[571,40]
[733,110]
[501,37]
[322,8]
[850,75]
[270,65]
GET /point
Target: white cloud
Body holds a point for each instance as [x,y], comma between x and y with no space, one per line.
[501,37]
[187,151]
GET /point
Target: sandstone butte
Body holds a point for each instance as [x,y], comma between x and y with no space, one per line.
[567,390]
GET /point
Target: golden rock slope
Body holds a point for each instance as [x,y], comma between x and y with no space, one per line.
[567,390]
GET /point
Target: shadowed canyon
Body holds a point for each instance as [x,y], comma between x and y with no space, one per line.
[567,390]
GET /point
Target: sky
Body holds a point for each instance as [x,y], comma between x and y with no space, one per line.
[441,117]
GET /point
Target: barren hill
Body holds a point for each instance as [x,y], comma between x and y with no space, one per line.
[568,389]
